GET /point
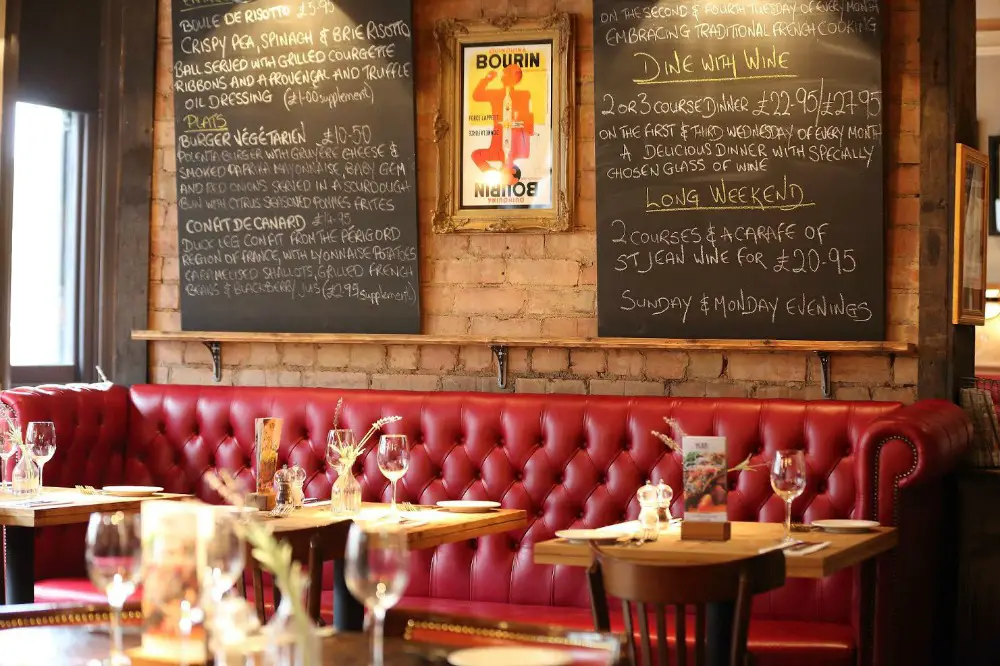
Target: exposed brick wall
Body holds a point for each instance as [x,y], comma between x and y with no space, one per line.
[544,285]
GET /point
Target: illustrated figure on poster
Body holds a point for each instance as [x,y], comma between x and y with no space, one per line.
[513,125]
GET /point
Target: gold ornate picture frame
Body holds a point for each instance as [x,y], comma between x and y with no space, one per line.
[504,126]
[972,177]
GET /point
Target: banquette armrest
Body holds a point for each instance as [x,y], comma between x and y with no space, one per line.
[913,445]
[91,426]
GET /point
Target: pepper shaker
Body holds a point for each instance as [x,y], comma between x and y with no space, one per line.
[664,496]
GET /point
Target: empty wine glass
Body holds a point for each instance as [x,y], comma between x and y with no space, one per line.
[376,572]
[788,479]
[224,554]
[393,460]
[41,441]
[338,441]
[114,561]
[7,449]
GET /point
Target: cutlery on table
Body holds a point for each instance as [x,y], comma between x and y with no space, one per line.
[282,510]
[808,548]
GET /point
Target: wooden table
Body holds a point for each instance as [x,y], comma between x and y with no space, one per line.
[441,527]
[82,645]
[845,550]
[20,522]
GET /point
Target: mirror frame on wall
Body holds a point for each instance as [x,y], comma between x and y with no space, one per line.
[994,193]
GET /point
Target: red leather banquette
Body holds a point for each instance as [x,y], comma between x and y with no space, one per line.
[569,461]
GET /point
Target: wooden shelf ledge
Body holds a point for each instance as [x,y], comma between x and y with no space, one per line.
[902,348]
[500,345]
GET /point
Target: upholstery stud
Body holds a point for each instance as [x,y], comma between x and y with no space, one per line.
[732,485]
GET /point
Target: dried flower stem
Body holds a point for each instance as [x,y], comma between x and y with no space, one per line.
[672,444]
[352,453]
[8,421]
[273,555]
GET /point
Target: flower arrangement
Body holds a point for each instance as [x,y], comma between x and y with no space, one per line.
[348,453]
[272,555]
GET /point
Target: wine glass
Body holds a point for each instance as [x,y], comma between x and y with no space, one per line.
[114,561]
[376,572]
[41,441]
[225,554]
[393,460]
[788,479]
[337,441]
[7,449]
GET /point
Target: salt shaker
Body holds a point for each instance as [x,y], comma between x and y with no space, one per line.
[664,496]
[297,477]
[649,520]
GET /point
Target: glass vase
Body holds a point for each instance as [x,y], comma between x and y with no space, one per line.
[345,498]
[291,640]
[25,479]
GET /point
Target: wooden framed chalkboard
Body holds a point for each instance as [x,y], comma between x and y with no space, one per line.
[739,169]
[296,183]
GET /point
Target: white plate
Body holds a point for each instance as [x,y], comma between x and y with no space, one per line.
[600,536]
[132,491]
[468,506]
[522,656]
[839,526]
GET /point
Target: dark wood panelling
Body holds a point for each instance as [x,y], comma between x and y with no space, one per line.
[10,13]
[60,43]
[128,71]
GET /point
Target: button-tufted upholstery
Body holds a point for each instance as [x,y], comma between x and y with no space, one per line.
[569,461]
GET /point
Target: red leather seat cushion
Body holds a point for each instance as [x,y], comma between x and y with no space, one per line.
[772,642]
[73,590]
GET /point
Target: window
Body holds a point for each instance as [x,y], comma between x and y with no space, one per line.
[45,340]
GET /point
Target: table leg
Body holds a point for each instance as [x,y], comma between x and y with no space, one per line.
[719,627]
[348,614]
[598,598]
[19,570]
[866,620]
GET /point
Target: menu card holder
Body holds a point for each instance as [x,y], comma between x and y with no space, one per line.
[705,468]
[267,436]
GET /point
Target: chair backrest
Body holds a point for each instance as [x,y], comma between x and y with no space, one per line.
[645,588]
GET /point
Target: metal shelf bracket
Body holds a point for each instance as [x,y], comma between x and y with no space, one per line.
[824,368]
[216,350]
[500,352]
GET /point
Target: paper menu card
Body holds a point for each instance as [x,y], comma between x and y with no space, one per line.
[174,537]
[705,468]
[267,435]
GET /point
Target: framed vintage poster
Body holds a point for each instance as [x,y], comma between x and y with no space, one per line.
[972,177]
[504,125]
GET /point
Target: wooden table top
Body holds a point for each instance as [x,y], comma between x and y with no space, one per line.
[845,550]
[427,528]
[74,507]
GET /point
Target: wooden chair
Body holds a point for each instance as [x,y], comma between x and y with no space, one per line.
[589,647]
[644,587]
[326,544]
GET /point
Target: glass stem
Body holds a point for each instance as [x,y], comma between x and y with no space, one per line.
[116,634]
[394,495]
[788,520]
[41,466]
[378,628]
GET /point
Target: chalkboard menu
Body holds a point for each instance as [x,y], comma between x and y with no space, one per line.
[296,165]
[739,169]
